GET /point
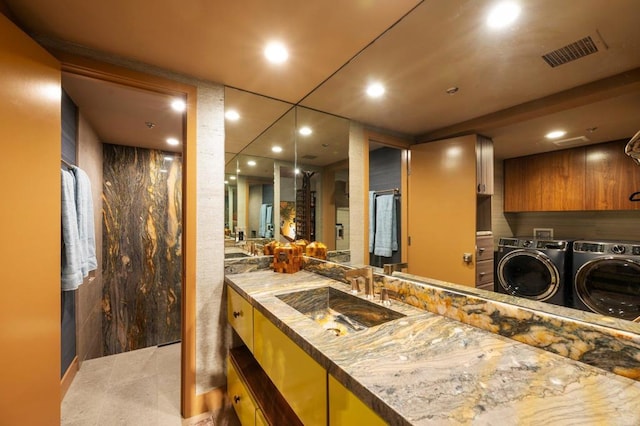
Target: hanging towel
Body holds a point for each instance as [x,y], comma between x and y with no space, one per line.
[269,224]
[386,234]
[86,228]
[263,220]
[372,219]
[70,268]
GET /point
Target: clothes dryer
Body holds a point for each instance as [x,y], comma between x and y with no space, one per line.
[606,278]
[537,269]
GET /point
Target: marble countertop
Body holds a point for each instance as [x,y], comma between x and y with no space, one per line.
[428,369]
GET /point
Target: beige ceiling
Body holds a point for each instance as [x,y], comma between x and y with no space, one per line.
[506,91]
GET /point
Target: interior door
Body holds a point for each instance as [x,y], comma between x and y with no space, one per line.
[442,209]
[30,227]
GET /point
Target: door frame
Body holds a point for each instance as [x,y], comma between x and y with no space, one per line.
[190,403]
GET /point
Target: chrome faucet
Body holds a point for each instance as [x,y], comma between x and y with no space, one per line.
[358,276]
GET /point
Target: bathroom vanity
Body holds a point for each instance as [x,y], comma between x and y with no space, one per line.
[419,366]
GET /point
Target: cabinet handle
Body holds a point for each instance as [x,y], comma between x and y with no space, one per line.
[237,314]
[481,249]
[236,399]
[482,274]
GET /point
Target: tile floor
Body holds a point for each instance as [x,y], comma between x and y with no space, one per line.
[140,387]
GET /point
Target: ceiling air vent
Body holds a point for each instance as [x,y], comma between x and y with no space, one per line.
[572,141]
[309,157]
[571,52]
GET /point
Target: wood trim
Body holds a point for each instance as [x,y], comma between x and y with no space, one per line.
[211,401]
[385,139]
[191,403]
[68,377]
[404,205]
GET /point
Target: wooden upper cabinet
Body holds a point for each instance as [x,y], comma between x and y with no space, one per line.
[553,181]
[611,177]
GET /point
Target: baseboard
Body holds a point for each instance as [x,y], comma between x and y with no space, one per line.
[213,400]
[68,377]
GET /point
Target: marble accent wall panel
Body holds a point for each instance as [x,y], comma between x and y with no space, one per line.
[142,257]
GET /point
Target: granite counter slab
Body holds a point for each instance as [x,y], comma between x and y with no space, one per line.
[429,369]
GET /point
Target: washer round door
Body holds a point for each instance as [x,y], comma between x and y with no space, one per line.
[610,286]
[528,273]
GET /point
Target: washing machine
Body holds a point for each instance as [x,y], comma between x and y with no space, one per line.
[537,269]
[606,278]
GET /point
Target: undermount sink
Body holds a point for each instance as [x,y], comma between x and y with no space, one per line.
[337,311]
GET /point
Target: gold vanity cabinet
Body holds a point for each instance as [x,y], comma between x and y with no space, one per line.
[298,377]
[347,409]
[240,316]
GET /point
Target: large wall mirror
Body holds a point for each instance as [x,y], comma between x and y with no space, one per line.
[287,172]
[436,90]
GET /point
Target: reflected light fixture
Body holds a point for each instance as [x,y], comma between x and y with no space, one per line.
[555,134]
[251,163]
[178,105]
[375,90]
[305,131]
[276,52]
[232,115]
[173,141]
[503,14]
[232,177]
[276,149]
[168,158]
[226,182]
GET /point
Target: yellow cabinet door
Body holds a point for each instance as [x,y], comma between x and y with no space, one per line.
[240,316]
[300,379]
[260,420]
[347,409]
[242,403]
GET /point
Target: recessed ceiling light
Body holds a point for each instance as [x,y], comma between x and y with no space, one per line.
[232,177]
[178,105]
[452,90]
[276,52]
[503,15]
[226,182]
[555,134]
[237,170]
[173,141]
[232,115]
[305,131]
[276,149]
[375,90]
[251,163]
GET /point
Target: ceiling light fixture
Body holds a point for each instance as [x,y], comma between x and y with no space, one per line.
[305,131]
[178,105]
[276,53]
[555,134]
[276,149]
[452,90]
[232,115]
[150,124]
[173,141]
[232,177]
[226,182]
[375,90]
[251,163]
[503,15]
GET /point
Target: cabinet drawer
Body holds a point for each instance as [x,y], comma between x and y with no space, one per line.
[240,316]
[484,272]
[484,248]
[298,377]
[240,398]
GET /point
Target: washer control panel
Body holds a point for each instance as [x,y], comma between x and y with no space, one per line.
[617,248]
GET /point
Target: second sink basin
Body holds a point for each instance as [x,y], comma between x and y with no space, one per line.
[337,311]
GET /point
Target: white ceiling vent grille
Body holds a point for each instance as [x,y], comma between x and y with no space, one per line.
[571,52]
[572,141]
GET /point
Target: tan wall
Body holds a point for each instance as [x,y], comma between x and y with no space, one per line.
[30,229]
[89,295]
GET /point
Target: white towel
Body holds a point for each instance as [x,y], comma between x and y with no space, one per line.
[86,227]
[263,220]
[372,219]
[386,235]
[70,268]
[269,226]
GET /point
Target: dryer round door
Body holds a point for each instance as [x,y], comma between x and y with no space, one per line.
[610,286]
[528,273]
